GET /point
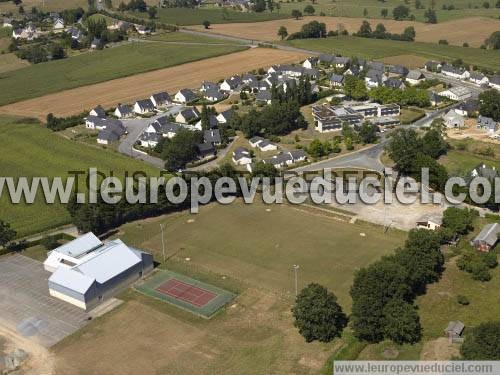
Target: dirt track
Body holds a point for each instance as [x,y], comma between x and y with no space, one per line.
[472,30]
[140,86]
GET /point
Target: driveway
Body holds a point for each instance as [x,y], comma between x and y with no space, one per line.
[134,128]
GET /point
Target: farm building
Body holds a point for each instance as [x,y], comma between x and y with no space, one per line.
[87,271]
[454,330]
[431,222]
[456,93]
[487,238]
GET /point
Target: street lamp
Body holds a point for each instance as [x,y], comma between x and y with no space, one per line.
[296,270]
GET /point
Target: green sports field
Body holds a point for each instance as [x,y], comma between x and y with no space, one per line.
[30,150]
[377,49]
[99,66]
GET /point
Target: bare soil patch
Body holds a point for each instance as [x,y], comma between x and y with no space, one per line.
[471,131]
[472,30]
[439,349]
[130,89]
[410,61]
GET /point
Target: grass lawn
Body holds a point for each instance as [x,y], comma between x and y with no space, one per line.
[10,62]
[99,66]
[188,16]
[458,162]
[379,49]
[249,243]
[409,115]
[31,150]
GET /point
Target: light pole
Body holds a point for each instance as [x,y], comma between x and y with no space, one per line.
[296,270]
[162,243]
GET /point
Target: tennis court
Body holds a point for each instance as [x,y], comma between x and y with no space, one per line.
[182,291]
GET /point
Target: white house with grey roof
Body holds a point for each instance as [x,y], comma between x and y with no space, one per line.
[123,111]
[161,99]
[143,106]
[495,82]
[98,112]
[87,271]
[185,96]
[487,123]
[457,93]
[415,77]
[479,78]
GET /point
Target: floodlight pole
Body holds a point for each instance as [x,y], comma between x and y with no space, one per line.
[296,269]
[162,243]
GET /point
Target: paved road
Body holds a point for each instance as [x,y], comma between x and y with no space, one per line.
[134,128]
[474,89]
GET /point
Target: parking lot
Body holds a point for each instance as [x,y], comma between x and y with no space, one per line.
[26,306]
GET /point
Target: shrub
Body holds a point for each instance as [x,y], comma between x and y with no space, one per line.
[463,300]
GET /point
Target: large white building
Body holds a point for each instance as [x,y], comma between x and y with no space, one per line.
[456,93]
[87,271]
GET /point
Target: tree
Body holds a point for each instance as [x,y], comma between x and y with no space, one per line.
[403,148]
[490,104]
[317,314]
[355,88]
[402,324]
[152,11]
[365,12]
[49,242]
[368,133]
[21,10]
[282,32]
[205,117]
[261,169]
[6,233]
[430,16]
[433,143]
[296,14]
[401,12]
[206,24]
[409,33]
[181,149]
[309,9]
[365,30]
[458,220]
[482,342]
[57,52]
[259,6]
[384,12]
[486,5]
[373,287]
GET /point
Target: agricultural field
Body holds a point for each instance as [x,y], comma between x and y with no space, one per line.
[98,66]
[471,30]
[129,89]
[10,62]
[253,335]
[347,8]
[52,5]
[31,150]
[379,49]
[215,15]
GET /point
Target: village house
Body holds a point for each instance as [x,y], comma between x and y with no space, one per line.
[453,120]
[214,95]
[205,150]
[149,140]
[212,136]
[495,82]
[231,84]
[98,112]
[479,78]
[143,106]
[374,78]
[96,43]
[340,62]
[225,116]
[161,99]
[433,66]
[398,70]
[353,70]
[435,99]
[430,221]
[310,62]
[486,123]
[241,156]
[266,145]
[336,80]
[394,83]
[415,77]
[7,22]
[468,108]
[457,93]
[187,115]
[123,111]
[185,96]
[451,71]
[376,65]
[482,170]
[58,23]
[212,122]
[264,96]
[109,135]
[207,86]
[142,30]
[487,238]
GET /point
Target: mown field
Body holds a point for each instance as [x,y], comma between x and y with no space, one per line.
[98,66]
[347,8]
[472,30]
[243,248]
[31,150]
[378,49]
[465,155]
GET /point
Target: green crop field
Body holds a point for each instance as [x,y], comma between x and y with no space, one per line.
[99,66]
[188,16]
[250,243]
[180,37]
[31,150]
[348,8]
[377,49]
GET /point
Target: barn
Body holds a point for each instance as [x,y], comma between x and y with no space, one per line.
[87,271]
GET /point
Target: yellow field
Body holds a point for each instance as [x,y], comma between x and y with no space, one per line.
[139,86]
[471,30]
